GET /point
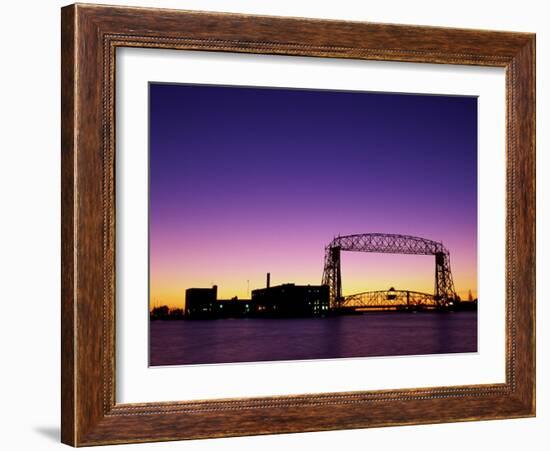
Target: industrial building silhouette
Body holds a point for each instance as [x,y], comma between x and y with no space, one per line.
[286,300]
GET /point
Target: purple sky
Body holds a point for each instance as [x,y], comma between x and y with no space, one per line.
[249,180]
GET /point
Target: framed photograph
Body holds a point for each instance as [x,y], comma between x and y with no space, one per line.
[279,225]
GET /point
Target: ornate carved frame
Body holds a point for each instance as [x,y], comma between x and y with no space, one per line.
[90,36]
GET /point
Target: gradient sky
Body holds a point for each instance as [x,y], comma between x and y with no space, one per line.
[245,181]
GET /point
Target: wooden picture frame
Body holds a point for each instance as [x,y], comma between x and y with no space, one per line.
[90,36]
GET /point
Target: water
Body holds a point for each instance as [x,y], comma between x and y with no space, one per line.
[254,340]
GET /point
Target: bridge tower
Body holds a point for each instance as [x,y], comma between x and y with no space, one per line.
[332,275]
[444,288]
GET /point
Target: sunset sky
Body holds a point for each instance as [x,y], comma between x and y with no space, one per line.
[245,181]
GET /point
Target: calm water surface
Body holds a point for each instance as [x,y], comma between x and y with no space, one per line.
[253,340]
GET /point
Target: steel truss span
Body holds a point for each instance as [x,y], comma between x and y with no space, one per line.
[389,299]
[444,291]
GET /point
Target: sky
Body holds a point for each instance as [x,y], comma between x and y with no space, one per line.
[250,180]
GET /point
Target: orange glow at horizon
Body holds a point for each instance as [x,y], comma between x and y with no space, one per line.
[360,272]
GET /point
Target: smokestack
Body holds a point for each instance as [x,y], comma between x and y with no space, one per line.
[268,281]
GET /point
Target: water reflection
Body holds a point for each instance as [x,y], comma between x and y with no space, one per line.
[253,340]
